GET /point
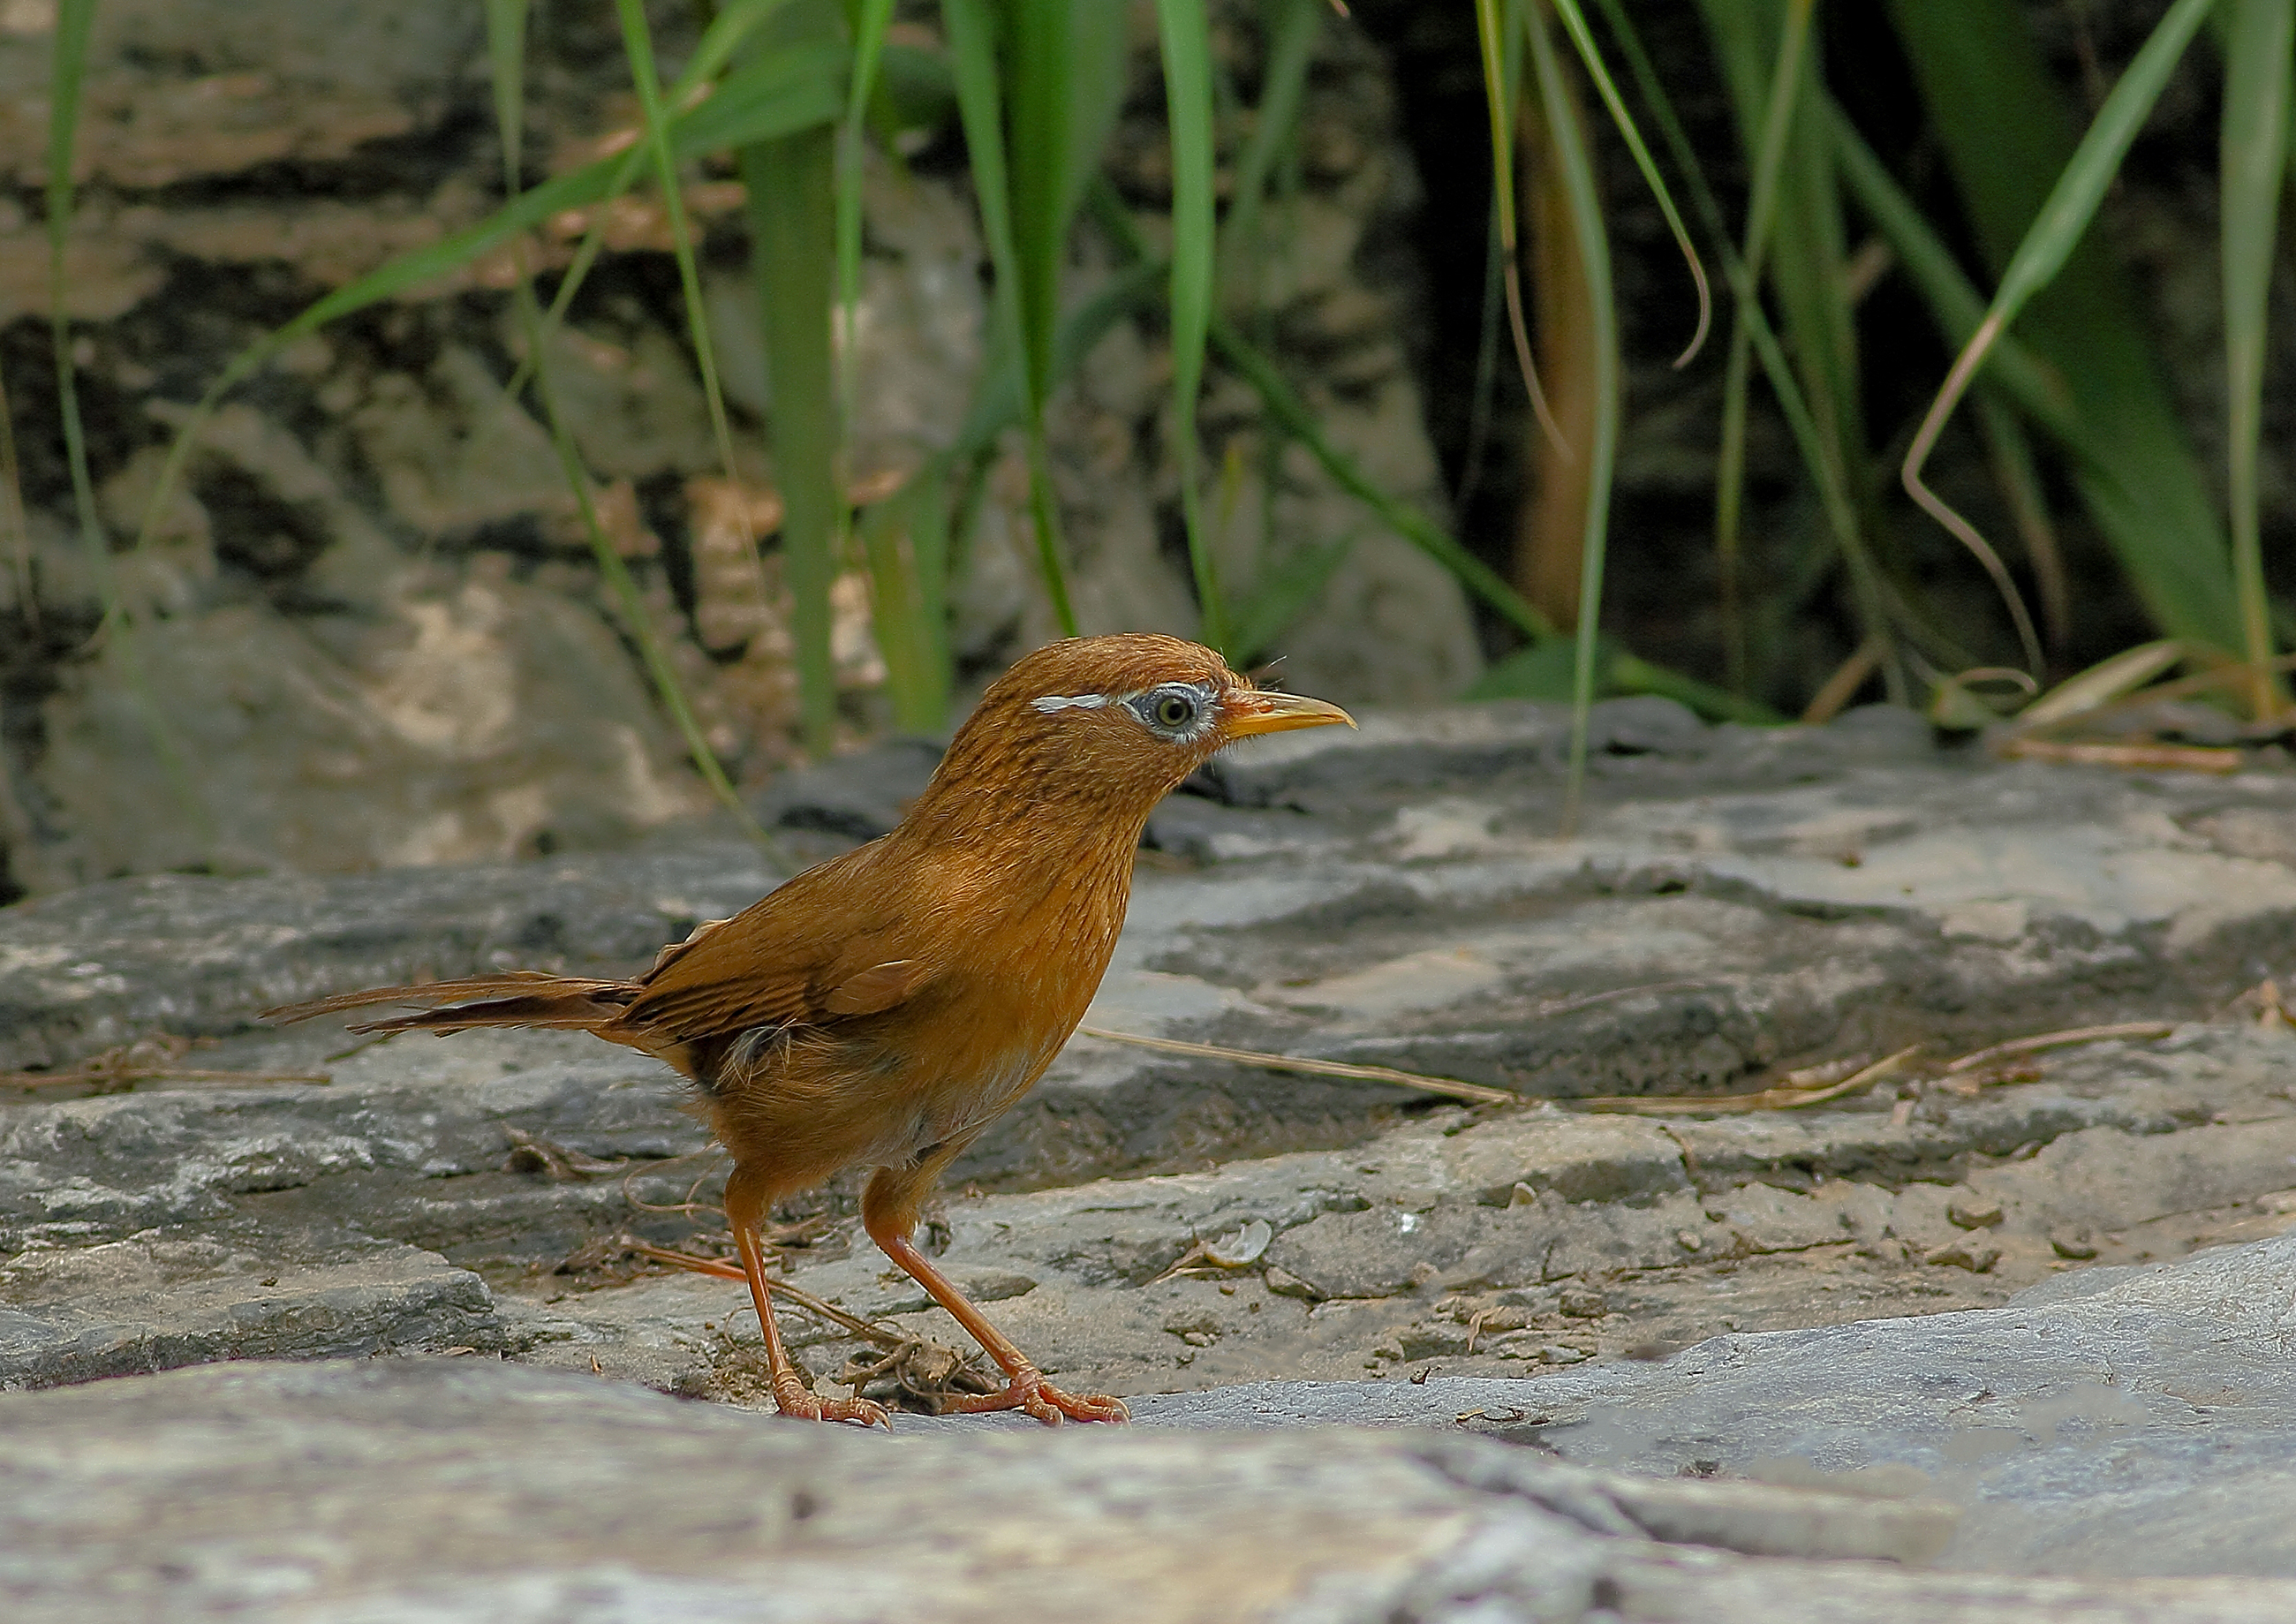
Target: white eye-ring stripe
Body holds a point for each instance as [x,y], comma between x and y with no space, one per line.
[1052,703]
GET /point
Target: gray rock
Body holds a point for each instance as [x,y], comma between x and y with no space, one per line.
[2131,1421]
[391,1489]
[109,963]
[161,1299]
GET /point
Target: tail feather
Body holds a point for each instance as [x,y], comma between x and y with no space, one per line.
[511,997]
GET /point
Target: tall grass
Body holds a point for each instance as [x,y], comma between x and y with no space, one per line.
[798,91]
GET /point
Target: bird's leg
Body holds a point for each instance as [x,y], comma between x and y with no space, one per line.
[889,1211]
[746,1200]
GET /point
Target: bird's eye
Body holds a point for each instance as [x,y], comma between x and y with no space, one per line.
[1175,712]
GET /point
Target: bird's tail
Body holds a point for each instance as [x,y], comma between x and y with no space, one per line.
[512,997]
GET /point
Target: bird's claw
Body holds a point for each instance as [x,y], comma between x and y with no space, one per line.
[792,1398]
[1028,1390]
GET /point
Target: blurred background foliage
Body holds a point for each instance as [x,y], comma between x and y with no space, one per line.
[2077,201]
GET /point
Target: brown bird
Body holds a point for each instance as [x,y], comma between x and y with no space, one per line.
[883,1008]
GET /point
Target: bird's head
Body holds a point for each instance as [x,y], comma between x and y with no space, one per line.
[1121,720]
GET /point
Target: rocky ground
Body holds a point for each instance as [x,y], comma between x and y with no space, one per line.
[1741,912]
[1741,908]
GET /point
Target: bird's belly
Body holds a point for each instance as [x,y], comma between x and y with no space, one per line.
[814,1109]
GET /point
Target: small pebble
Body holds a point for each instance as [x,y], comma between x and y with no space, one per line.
[1974,1256]
[1974,1212]
[1284,1282]
[1579,1303]
[2074,1244]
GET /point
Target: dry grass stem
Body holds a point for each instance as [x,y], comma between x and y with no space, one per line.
[1787,1097]
[2134,1030]
[922,1367]
[1476,1093]
[145,1061]
[2138,758]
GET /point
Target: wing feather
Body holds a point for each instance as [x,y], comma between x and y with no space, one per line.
[827,944]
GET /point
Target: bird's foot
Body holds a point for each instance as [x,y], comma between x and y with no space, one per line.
[1028,1390]
[796,1401]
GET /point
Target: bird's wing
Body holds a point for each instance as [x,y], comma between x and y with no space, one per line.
[820,948]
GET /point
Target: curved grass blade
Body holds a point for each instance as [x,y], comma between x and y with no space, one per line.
[1578,167]
[2019,476]
[2047,243]
[1590,55]
[1955,303]
[1497,23]
[1188,103]
[2260,43]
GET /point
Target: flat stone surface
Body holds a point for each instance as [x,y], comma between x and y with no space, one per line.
[464,1489]
[2132,1421]
[1148,1225]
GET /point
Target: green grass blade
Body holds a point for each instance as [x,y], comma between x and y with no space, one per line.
[904,540]
[1063,64]
[506,48]
[876,16]
[793,204]
[1955,303]
[2030,190]
[1498,28]
[2019,476]
[793,231]
[1590,56]
[2065,217]
[1188,103]
[1836,498]
[1283,90]
[638,45]
[2261,42]
[971,27]
[917,682]
[68,73]
[726,31]
[1579,185]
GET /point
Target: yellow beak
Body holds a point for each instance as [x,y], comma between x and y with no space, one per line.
[1259,710]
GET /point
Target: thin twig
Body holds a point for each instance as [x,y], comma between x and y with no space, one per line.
[2171,758]
[2138,1030]
[725,1268]
[148,1059]
[1476,1093]
[1768,1099]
